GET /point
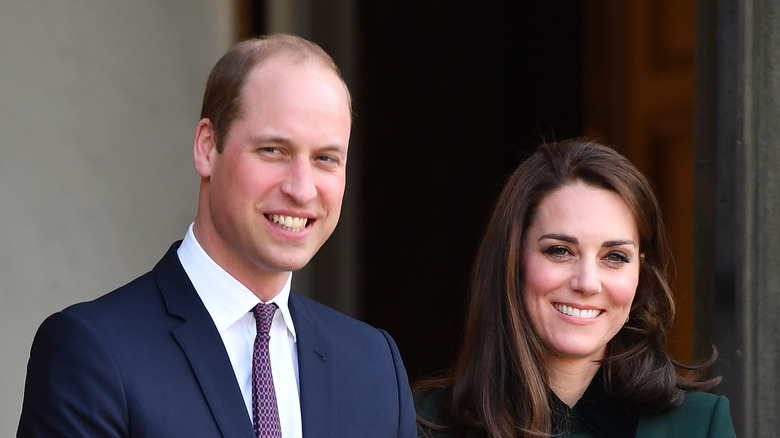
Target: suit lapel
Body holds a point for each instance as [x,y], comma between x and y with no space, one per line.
[315,370]
[199,339]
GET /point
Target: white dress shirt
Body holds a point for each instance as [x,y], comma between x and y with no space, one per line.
[230,305]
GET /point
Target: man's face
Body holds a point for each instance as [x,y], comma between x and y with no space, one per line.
[275,191]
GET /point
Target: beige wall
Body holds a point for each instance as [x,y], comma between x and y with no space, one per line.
[98,107]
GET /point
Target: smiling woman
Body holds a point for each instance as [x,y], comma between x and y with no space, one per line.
[581,263]
[570,306]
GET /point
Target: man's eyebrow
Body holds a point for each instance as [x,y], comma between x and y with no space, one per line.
[274,139]
[260,139]
[333,148]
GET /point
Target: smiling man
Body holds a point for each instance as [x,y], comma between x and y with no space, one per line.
[212,342]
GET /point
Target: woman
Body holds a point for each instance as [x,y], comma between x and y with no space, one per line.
[570,307]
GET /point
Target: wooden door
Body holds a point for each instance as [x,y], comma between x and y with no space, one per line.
[639,87]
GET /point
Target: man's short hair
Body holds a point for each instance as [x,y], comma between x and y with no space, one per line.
[222,99]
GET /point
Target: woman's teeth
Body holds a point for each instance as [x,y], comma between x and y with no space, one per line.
[577,313]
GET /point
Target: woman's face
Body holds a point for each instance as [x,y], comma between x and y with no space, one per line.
[581,259]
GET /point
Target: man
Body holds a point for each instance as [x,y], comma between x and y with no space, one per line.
[171,354]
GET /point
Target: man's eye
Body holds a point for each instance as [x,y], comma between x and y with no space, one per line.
[329,160]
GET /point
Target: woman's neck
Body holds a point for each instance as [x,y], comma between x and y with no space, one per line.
[570,378]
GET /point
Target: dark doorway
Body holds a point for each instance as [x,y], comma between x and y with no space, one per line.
[453,95]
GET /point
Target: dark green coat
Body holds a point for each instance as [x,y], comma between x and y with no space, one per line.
[701,415]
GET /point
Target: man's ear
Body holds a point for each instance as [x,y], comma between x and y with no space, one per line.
[205,148]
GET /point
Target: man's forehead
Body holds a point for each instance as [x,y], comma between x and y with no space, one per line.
[281,73]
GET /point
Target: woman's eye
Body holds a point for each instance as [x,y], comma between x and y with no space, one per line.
[617,257]
[557,251]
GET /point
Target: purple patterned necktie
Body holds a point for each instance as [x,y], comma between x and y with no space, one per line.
[265,414]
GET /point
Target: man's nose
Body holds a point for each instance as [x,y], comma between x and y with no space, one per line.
[299,182]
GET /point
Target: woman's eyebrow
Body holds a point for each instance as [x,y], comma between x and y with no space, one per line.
[561,237]
[574,241]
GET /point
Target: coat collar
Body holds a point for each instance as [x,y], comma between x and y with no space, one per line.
[200,341]
[599,410]
[315,368]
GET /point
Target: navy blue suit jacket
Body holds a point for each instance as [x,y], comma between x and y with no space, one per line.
[147,361]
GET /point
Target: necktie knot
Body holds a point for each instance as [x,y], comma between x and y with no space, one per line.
[264,315]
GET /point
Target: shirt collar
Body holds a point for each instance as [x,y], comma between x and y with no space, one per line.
[599,409]
[225,298]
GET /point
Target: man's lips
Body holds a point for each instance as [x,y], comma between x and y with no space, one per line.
[289,223]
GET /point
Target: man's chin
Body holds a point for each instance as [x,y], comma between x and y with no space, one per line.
[288,258]
[292,265]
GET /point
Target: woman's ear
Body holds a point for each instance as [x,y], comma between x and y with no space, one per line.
[204,148]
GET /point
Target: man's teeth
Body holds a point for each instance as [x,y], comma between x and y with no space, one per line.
[288,222]
[577,313]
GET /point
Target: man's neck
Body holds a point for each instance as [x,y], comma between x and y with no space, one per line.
[265,284]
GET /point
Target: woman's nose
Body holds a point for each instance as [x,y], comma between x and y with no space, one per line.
[585,278]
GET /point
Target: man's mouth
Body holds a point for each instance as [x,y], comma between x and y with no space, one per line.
[577,313]
[288,223]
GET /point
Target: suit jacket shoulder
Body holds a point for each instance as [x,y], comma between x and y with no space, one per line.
[700,415]
[332,321]
[143,360]
[352,379]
